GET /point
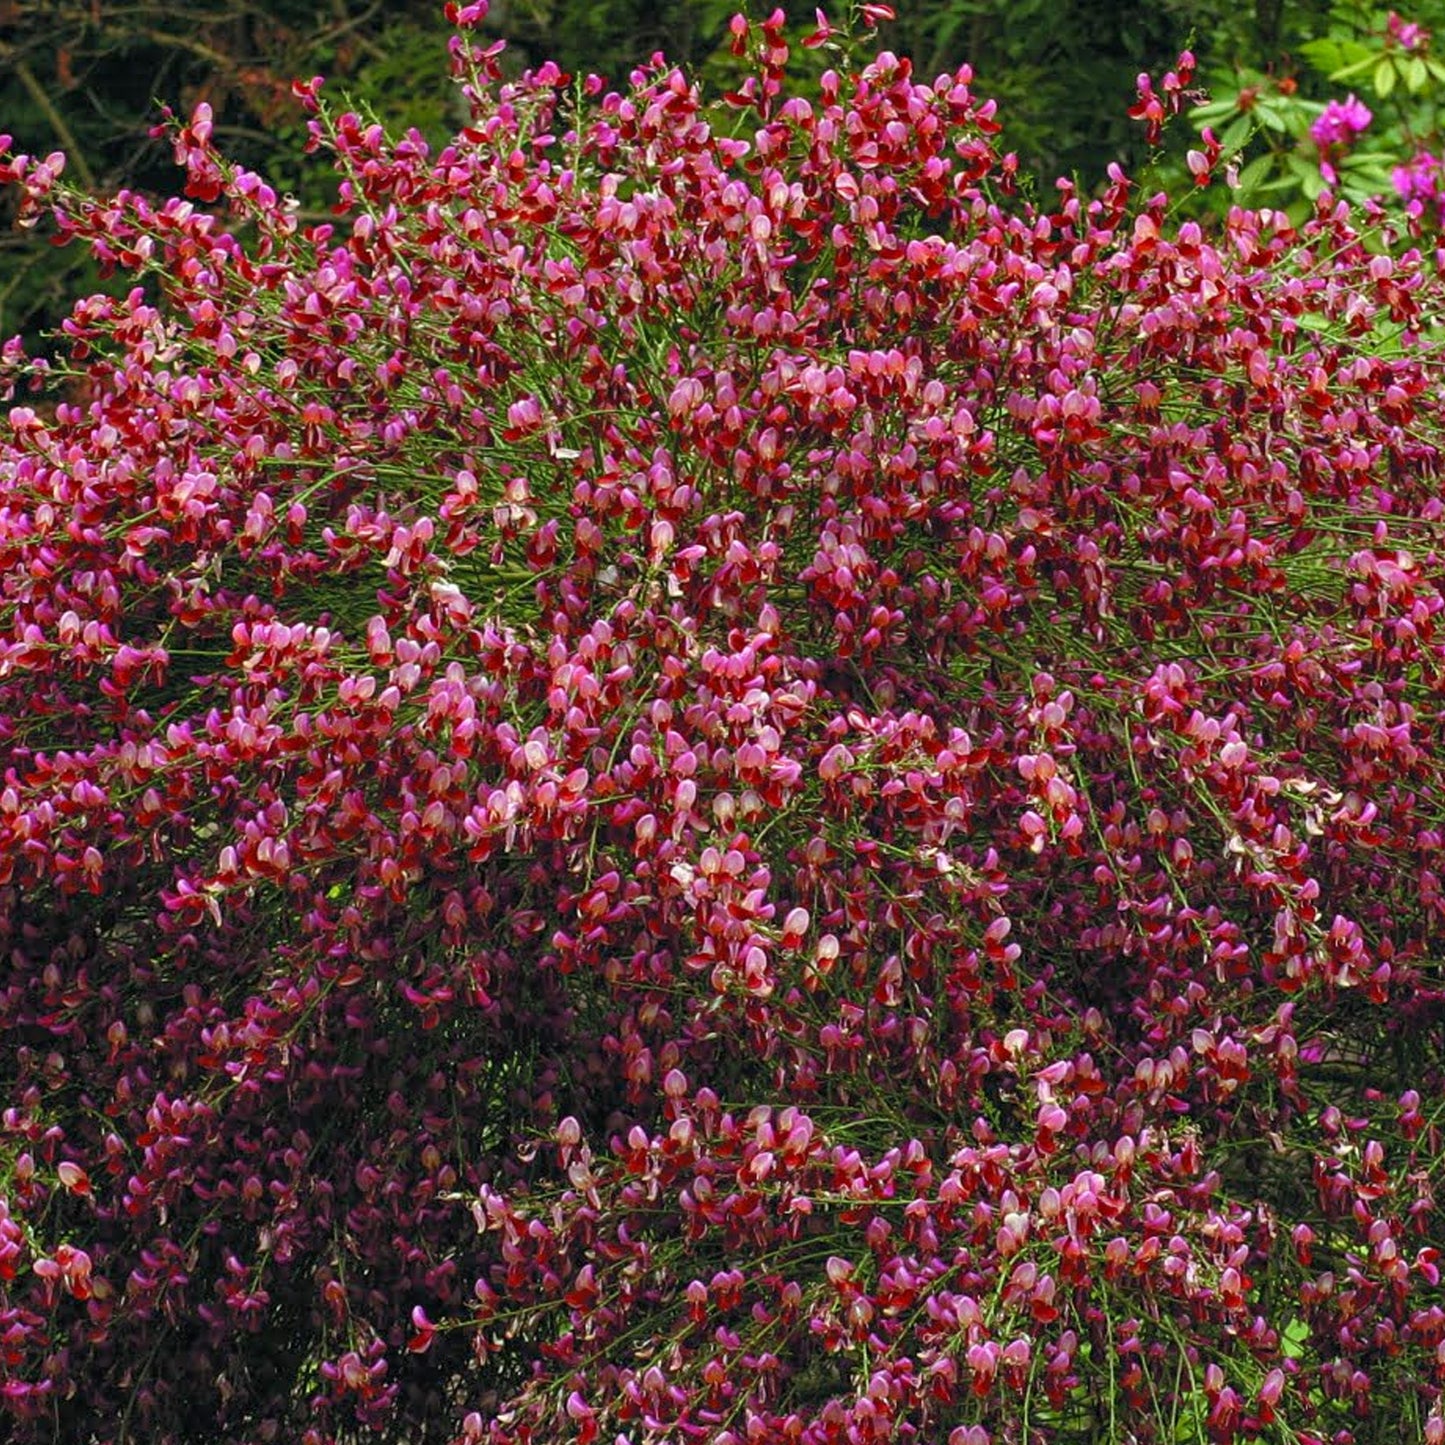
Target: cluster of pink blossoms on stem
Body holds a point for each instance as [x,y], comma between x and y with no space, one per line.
[1420,183]
[689,780]
[1341,122]
[1336,129]
[1409,35]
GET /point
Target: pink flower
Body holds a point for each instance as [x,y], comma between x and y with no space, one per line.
[1417,183]
[1407,34]
[1341,122]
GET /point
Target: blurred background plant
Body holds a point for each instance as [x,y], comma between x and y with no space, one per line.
[1343,97]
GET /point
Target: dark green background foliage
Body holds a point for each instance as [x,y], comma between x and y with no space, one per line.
[88,76]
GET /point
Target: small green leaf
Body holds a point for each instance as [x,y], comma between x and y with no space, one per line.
[1254,175]
[1297,120]
[1416,75]
[1236,133]
[1271,115]
[1215,110]
[1359,67]
[1385,77]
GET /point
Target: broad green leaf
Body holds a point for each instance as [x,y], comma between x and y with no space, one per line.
[1297,120]
[1215,110]
[1385,77]
[1369,170]
[1332,54]
[1272,115]
[1302,165]
[1359,67]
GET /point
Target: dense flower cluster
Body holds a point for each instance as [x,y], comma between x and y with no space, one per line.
[1419,184]
[1335,130]
[1341,122]
[688,782]
[1408,35]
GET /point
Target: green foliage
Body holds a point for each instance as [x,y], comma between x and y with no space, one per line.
[1263,111]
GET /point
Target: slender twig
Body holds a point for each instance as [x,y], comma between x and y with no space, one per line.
[172,41]
[350,25]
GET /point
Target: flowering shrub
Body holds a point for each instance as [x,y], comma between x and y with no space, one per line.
[686,782]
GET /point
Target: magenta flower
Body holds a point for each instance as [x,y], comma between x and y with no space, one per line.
[1341,122]
[1407,34]
[1417,183]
